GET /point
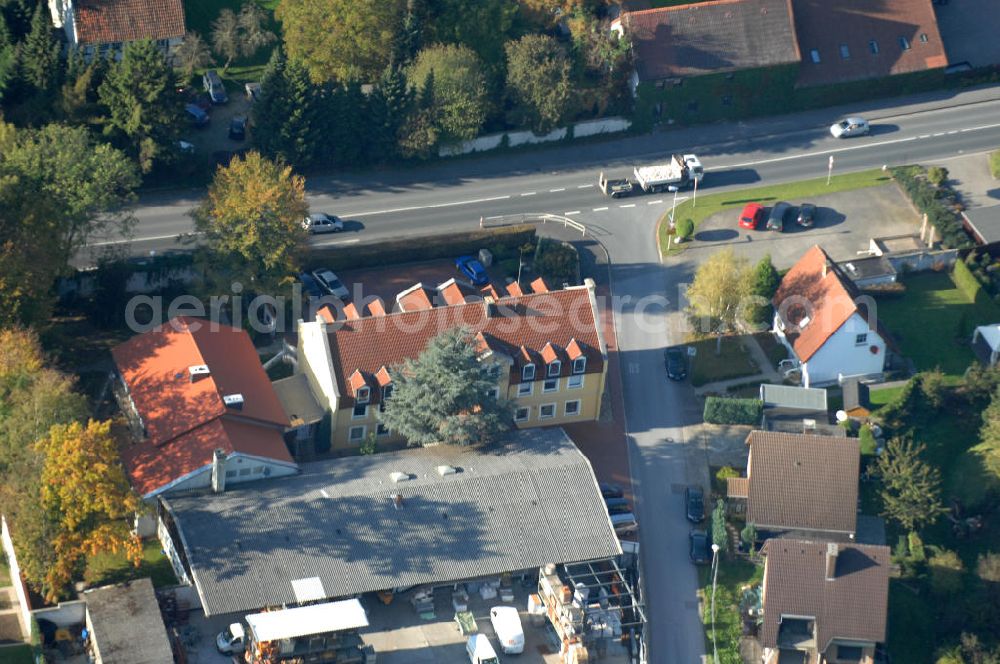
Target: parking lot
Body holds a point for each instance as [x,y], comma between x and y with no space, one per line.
[844,223]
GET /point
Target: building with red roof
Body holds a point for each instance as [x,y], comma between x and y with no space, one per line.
[103,27]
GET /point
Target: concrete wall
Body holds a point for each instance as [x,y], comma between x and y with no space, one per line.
[602,126]
[24,607]
[923,261]
[65,614]
[515,138]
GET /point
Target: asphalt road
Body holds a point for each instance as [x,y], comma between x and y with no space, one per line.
[455,195]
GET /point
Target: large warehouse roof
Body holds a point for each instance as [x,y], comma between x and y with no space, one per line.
[339,529]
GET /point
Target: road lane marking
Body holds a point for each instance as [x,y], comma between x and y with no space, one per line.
[335,242]
[496,216]
[411,208]
[657,202]
[584,186]
[627,206]
[529,193]
[940,133]
[600,209]
[953,131]
[924,136]
[566,214]
[105,243]
[559,189]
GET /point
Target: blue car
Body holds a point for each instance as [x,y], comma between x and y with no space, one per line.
[472,269]
[196,115]
[310,287]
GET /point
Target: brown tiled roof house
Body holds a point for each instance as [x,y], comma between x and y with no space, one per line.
[99,26]
[800,484]
[823,598]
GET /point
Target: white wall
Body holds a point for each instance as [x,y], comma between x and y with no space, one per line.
[241,464]
[841,357]
[515,138]
[65,614]
[24,608]
[315,361]
[602,126]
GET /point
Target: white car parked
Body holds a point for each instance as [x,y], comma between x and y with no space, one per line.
[318,222]
[849,127]
[507,625]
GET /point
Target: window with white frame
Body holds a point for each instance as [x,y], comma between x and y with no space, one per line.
[494,370]
[524,389]
[579,365]
[522,414]
[381,430]
[547,411]
[364,395]
[555,367]
[572,407]
[550,385]
[574,382]
[861,339]
[357,434]
[528,372]
[494,393]
[386,393]
[360,411]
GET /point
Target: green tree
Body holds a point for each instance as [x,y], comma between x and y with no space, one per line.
[389,104]
[749,535]
[946,571]
[911,488]
[989,434]
[765,284]
[483,25]
[410,39]
[446,395]
[8,56]
[453,87]
[253,35]
[39,54]
[252,218]
[348,125]
[719,294]
[685,228]
[720,536]
[288,116]
[341,39]
[193,53]
[538,80]
[144,109]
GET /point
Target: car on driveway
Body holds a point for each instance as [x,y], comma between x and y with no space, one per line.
[850,127]
[330,283]
[473,270]
[699,550]
[195,115]
[213,85]
[776,220]
[318,222]
[752,215]
[310,287]
[807,215]
[238,128]
[694,499]
[676,362]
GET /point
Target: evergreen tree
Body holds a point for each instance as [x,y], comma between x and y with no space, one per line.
[765,284]
[719,534]
[911,488]
[350,129]
[270,109]
[446,395]
[288,114]
[410,39]
[38,56]
[388,106]
[17,14]
[8,59]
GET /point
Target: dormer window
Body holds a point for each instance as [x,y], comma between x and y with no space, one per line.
[528,372]
[363,395]
[579,365]
[555,367]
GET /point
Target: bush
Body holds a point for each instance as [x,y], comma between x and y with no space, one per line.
[995,164]
[725,473]
[916,546]
[685,228]
[946,573]
[914,181]
[967,282]
[557,262]
[867,440]
[722,410]
[937,175]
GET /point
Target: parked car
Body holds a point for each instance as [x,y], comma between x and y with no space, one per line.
[231,640]
[253,91]
[616,502]
[238,128]
[776,220]
[694,498]
[480,650]
[611,491]
[195,115]
[700,550]
[310,287]
[807,215]
[473,269]
[318,222]
[752,215]
[624,524]
[507,625]
[329,282]
[619,509]
[213,85]
[850,127]
[676,361]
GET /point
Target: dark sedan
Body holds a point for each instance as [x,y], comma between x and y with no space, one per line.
[310,287]
[676,362]
[694,498]
[807,215]
[700,550]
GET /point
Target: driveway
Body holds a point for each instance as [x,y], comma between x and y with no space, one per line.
[845,222]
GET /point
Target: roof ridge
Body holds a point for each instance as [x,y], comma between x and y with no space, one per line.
[690,5]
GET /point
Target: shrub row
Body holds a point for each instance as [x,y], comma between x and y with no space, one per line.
[722,410]
[970,286]
[927,198]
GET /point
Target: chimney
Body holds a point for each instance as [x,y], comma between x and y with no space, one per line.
[489,307]
[218,471]
[831,560]
[196,371]
[397,500]
[234,401]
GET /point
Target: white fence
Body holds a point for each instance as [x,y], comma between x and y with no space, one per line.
[515,138]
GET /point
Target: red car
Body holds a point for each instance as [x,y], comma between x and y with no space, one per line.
[752,215]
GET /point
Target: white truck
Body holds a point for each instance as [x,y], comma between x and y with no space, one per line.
[679,171]
[325,632]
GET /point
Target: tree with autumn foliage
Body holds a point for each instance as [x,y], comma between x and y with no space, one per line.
[87,497]
[252,219]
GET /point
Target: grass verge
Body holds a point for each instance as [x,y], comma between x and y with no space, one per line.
[732,362]
[108,568]
[710,204]
[995,164]
[734,576]
[19,654]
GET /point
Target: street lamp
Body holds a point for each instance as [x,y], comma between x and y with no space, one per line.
[674,204]
[715,574]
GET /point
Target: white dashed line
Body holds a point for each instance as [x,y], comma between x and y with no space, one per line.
[336,242]
[584,186]
[323,493]
[953,131]
[529,193]
[138,239]
[600,209]
[654,202]
[428,207]
[940,133]
[627,206]
[559,189]
[572,212]
[924,136]
[496,216]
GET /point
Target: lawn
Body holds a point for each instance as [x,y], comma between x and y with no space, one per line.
[710,204]
[911,624]
[734,576]
[20,654]
[732,362]
[773,348]
[933,322]
[107,568]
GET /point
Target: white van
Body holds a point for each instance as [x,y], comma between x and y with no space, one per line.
[231,640]
[480,650]
[507,625]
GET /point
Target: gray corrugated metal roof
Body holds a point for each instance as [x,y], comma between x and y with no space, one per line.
[789,396]
[511,506]
[127,625]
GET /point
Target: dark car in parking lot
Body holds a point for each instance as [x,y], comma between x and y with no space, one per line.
[694,499]
[807,215]
[611,490]
[196,115]
[238,128]
[472,269]
[699,550]
[676,362]
[310,287]
[214,87]
[776,220]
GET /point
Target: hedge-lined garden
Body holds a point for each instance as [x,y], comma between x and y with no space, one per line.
[938,201]
[722,410]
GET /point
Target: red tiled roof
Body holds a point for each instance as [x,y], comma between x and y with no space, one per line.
[382,376]
[549,353]
[816,289]
[376,307]
[327,314]
[514,289]
[356,381]
[414,298]
[108,21]
[176,410]
[489,290]
[529,321]
[852,606]
[351,312]
[828,26]
[710,37]
[451,293]
[573,349]
[539,286]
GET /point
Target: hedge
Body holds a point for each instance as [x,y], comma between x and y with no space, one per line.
[968,284]
[995,164]
[722,410]
[927,198]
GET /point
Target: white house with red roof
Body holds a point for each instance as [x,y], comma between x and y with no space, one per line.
[103,27]
[189,388]
[829,328]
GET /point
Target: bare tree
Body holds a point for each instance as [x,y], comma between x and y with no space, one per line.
[193,53]
[253,35]
[226,37]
